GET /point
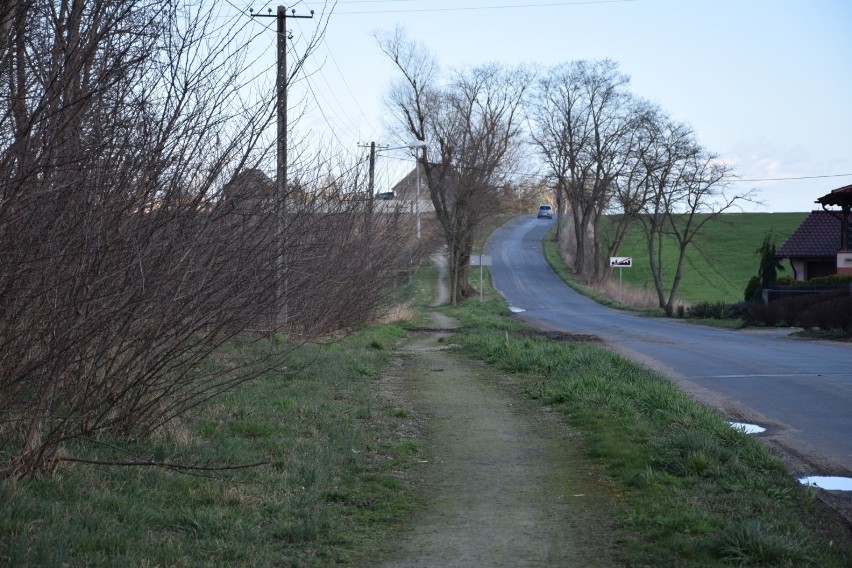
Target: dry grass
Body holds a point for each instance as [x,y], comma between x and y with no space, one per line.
[396,313]
[620,293]
[634,297]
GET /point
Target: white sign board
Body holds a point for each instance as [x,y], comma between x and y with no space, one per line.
[844,260]
[620,261]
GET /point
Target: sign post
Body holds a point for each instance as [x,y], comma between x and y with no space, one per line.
[479,259]
[621,262]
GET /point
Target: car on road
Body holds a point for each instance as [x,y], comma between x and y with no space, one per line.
[545,212]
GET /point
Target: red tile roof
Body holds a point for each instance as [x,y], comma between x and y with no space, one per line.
[817,236]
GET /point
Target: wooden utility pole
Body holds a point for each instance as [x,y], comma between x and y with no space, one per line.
[281,165]
[372,173]
[371,198]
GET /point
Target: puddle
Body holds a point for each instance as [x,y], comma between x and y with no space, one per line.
[515,310]
[828,483]
[747,428]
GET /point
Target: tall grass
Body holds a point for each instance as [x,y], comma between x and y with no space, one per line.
[328,492]
[695,492]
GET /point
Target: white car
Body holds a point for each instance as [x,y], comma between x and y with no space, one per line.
[545,212]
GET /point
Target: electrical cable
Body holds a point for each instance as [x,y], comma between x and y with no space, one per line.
[795,178]
[482,8]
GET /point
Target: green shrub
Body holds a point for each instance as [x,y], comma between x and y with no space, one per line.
[707,310]
[769,264]
[832,280]
[717,310]
[752,289]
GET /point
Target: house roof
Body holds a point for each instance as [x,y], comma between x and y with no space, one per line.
[406,188]
[817,236]
[838,197]
[250,183]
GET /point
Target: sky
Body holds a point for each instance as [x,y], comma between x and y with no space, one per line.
[765,84]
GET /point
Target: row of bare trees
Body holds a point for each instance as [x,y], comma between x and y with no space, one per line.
[606,153]
[137,233]
[611,153]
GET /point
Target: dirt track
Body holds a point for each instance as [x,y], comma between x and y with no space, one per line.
[502,479]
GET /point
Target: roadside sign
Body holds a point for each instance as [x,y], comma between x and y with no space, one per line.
[620,261]
[480,260]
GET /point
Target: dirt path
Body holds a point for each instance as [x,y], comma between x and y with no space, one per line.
[503,482]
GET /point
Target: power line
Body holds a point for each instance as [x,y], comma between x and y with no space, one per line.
[479,8]
[795,178]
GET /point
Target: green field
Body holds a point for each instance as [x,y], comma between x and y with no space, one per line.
[723,258]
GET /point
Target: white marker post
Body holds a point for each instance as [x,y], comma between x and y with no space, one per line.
[479,259]
[620,262]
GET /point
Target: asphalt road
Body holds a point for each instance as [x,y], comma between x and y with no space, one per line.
[800,390]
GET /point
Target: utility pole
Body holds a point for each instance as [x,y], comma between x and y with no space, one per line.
[371,197]
[371,181]
[281,165]
[417,145]
[371,186]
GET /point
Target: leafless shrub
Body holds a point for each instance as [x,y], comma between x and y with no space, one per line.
[833,315]
[132,245]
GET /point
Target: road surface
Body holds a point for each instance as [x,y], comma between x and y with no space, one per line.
[800,390]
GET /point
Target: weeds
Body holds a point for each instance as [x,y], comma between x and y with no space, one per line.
[751,543]
[329,495]
[695,491]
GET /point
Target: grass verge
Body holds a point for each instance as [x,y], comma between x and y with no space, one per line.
[330,493]
[557,263]
[693,490]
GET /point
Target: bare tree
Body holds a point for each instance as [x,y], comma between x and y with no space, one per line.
[632,189]
[688,188]
[132,247]
[471,127]
[582,123]
[611,153]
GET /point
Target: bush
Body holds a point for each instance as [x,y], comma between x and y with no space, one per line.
[764,314]
[823,309]
[738,310]
[832,280]
[832,315]
[752,290]
[717,310]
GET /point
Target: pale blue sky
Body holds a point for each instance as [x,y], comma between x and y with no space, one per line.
[766,84]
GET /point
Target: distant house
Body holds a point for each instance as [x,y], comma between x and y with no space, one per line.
[820,246]
[250,191]
[405,191]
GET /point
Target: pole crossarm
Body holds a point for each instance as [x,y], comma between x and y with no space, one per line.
[282,12]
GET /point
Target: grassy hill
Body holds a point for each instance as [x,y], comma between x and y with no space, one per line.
[723,259]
